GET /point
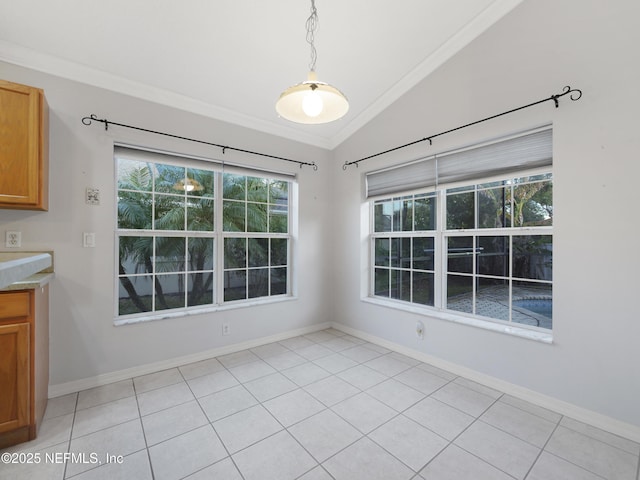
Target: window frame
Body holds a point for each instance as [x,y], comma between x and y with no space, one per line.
[440,234]
[218,235]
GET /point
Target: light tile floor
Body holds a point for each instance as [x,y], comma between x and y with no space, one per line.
[322,406]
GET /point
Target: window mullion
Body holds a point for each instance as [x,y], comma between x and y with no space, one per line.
[218,238]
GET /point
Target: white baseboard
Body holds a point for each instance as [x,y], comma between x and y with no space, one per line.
[604,422]
[60,389]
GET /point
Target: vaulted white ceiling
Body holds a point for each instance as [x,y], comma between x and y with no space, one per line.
[231,59]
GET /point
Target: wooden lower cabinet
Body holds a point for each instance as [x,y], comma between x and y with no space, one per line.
[24,363]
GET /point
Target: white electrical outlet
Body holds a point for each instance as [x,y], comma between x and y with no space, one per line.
[13,240]
[92,196]
[420,329]
[226,329]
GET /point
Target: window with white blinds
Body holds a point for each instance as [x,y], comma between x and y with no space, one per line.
[527,150]
[468,234]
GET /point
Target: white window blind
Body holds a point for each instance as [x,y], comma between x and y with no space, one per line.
[524,151]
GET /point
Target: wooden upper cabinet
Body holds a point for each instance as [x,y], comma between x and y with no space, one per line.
[24,147]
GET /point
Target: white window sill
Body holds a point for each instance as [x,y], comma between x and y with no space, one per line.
[163,315]
[514,329]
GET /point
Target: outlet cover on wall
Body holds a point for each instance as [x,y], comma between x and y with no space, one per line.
[13,240]
[92,196]
[226,329]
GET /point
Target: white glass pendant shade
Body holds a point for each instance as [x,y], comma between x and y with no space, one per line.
[312,102]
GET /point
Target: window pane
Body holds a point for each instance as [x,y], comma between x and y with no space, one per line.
[234,187]
[202,182]
[382,246]
[279,192]
[401,285]
[235,285]
[135,294]
[134,175]
[405,252]
[396,251]
[460,293]
[407,214]
[533,204]
[258,283]
[423,253]
[397,211]
[278,219]
[235,253]
[460,210]
[279,251]
[425,212]
[381,282]
[200,216]
[256,217]
[423,288]
[135,255]
[493,208]
[405,284]
[278,281]
[200,253]
[257,189]
[134,210]
[460,254]
[200,289]
[492,298]
[169,212]
[169,255]
[533,304]
[532,256]
[258,252]
[382,216]
[169,178]
[169,291]
[234,216]
[493,256]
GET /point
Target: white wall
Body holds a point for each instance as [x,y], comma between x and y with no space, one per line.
[533,52]
[84,342]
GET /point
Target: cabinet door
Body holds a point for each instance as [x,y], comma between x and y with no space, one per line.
[21,146]
[14,376]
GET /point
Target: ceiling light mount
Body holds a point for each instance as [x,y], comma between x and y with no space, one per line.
[312,101]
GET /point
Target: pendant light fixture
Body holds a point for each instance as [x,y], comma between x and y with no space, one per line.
[312,101]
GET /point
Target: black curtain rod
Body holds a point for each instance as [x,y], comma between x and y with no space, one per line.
[93,118]
[575,95]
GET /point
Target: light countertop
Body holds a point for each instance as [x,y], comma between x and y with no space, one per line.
[24,270]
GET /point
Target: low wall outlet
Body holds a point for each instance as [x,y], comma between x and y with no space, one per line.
[13,240]
[420,330]
[226,329]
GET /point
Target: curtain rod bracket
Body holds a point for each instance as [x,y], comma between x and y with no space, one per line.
[574,94]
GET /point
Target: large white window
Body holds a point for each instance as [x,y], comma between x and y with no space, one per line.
[479,245]
[192,235]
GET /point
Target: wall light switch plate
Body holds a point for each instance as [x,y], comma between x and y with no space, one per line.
[88,239]
[13,240]
[92,196]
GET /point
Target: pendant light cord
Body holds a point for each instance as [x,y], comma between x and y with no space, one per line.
[312,24]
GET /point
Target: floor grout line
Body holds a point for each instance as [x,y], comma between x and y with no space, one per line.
[388,368]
